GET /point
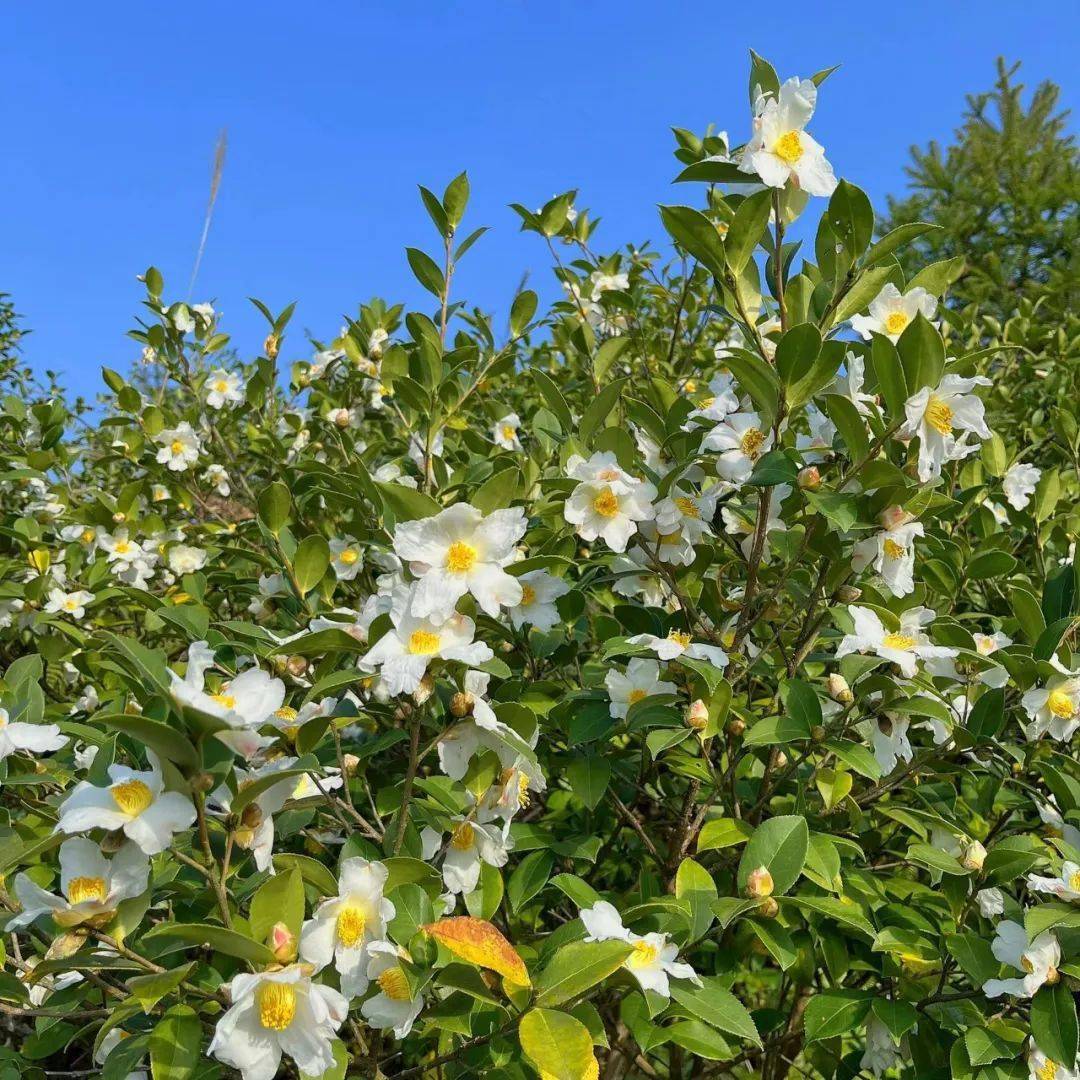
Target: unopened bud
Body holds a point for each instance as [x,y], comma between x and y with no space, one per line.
[848,594]
[839,689]
[697,715]
[271,346]
[296,666]
[39,559]
[1053,976]
[340,417]
[781,759]
[424,690]
[759,883]
[768,908]
[282,942]
[974,856]
[461,704]
[251,817]
[203,781]
[351,763]
[809,478]
[736,727]
[113,841]
[892,517]
[818,733]
[118,517]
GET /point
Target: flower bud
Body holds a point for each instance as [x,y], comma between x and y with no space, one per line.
[340,417]
[424,690]
[697,715]
[818,733]
[781,759]
[768,908]
[759,883]
[839,689]
[296,666]
[848,594]
[282,942]
[271,346]
[1053,976]
[351,763]
[809,478]
[892,517]
[119,517]
[974,856]
[461,704]
[736,727]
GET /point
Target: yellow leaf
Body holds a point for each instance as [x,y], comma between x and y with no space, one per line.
[559,1045]
[478,942]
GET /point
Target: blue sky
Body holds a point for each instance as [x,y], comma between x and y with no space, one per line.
[336,111]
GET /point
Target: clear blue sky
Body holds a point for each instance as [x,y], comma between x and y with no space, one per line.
[336,111]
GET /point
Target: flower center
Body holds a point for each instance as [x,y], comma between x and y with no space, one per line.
[87,536]
[1060,704]
[349,556]
[1074,882]
[680,637]
[394,985]
[788,147]
[984,644]
[461,557]
[898,641]
[132,796]
[895,322]
[351,922]
[751,443]
[226,701]
[463,837]
[688,507]
[528,595]
[177,446]
[644,955]
[423,643]
[122,547]
[277,1005]
[637,695]
[221,386]
[606,504]
[286,713]
[893,550]
[939,415]
[508,433]
[70,604]
[81,889]
[1047,1070]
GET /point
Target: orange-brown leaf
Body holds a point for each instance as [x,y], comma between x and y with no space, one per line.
[478,942]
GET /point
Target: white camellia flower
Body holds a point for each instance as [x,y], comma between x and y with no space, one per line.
[69,603]
[343,927]
[1038,960]
[218,478]
[402,654]
[505,432]
[935,415]
[652,962]
[346,557]
[460,551]
[539,591]
[34,738]
[986,645]
[608,502]
[889,739]
[816,444]
[393,1007]
[1053,709]
[722,400]
[903,647]
[135,801]
[687,513]
[1040,1067]
[991,902]
[849,383]
[186,559]
[1019,484]
[882,1052]
[679,643]
[119,547]
[641,680]
[92,885]
[1066,886]
[471,843]
[891,553]
[223,389]
[275,1013]
[892,312]
[672,547]
[779,149]
[180,447]
[740,440]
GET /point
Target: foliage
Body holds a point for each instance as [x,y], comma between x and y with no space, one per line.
[656,689]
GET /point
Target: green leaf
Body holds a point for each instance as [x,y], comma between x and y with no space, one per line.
[577,967]
[696,235]
[218,938]
[851,217]
[922,354]
[722,833]
[899,1017]
[275,503]
[498,491]
[176,1044]
[559,1045]
[772,469]
[522,311]
[894,240]
[148,990]
[555,401]
[694,885]
[426,270]
[867,285]
[588,776]
[598,410]
[483,902]
[716,1005]
[777,731]
[835,1012]
[889,372]
[801,702]
[780,845]
[850,424]
[311,561]
[1053,1022]
[279,899]
[747,228]
[455,199]
[529,877]
[407,504]
[167,742]
[757,379]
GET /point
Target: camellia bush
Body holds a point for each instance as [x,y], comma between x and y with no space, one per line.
[678,683]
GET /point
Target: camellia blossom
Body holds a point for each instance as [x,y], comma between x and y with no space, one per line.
[892,312]
[641,680]
[346,557]
[1038,960]
[653,961]
[883,1052]
[69,603]
[1053,709]
[180,447]
[779,149]
[1040,1067]
[275,1013]
[471,843]
[92,885]
[135,801]
[539,591]
[740,440]
[223,389]
[936,415]
[608,502]
[343,927]
[394,1006]
[679,643]
[903,647]
[17,735]
[1019,483]
[889,739]
[460,551]
[505,432]
[1066,886]
[891,553]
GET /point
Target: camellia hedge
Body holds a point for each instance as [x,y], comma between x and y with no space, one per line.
[678,683]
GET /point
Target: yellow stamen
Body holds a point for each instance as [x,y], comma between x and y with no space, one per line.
[351,922]
[938,415]
[690,387]
[132,796]
[461,557]
[606,504]
[122,547]
[286,713]
[898,641]
[1047,1070]
[226,701]
[895,322]
[177,447]
[528,595]
[680,637]
[70,605]
[221,386]
[751,443]
[394,985]
[637,695]
[423,643]
[1074,882]
[688,507]
[508,433]
[349,556]
[81,889]
[643,955]
[788,147]
[893,550]
[277,1005]
[463,837]
[523,790]
[87,535]
[1061,705]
